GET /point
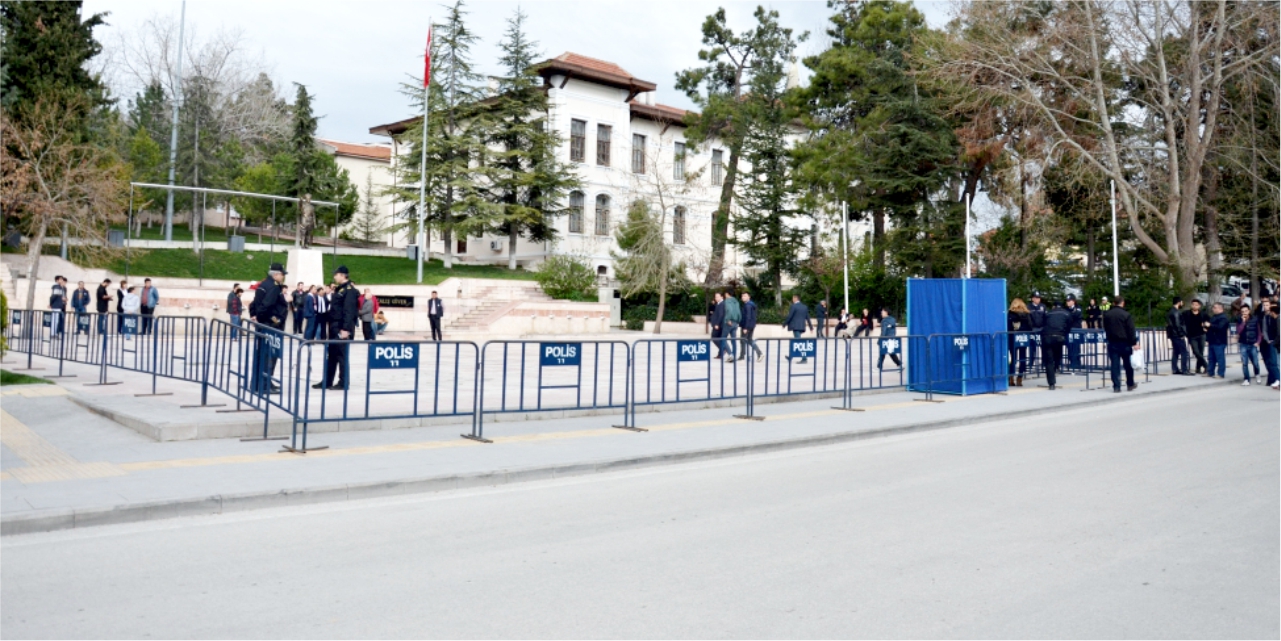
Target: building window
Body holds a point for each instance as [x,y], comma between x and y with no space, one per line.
[678,226]
[602,215]
[576,212]
[718,167]
[577,140]
[638,154]
[678,162]
[602,144]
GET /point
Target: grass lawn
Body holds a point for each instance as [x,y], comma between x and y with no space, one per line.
[11,378]
[251,266]
[181,233]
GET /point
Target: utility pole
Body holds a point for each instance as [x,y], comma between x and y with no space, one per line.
[173,134]
[845,259]
[1116,267]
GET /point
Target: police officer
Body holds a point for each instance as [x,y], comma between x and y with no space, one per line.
[343,311]
[1053,335]
[269,309]
[1036,314]
[1076,321]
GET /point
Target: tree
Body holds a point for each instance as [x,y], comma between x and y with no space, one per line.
[57,183]
[526,182]
[457,132]
[43,57]
[1134,88]
[718,88]
[368,224]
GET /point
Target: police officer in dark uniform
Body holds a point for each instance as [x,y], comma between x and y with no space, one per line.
[269,308]
[1036,314]
[1075,321]
[1057,324]
[343,311]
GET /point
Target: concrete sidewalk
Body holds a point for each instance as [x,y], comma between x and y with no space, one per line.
[65,467]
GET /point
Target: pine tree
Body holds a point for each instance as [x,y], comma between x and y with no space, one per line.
[456,136]
[368,223]
[526,181]
[44,53]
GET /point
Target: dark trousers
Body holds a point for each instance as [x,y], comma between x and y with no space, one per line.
[1033,352]
[865,330]
[1053,356]
[337,358]
[1074,355]
[748,343]
[1269,353]
[298,322]
[147,313]
[1018,355]
[716,340]
[367,330]
[1179,355]
[1118,358]
[102,322]
[1218,361]
[1196,344]
[310,326]
[435,327]
[264,363]
[820,326]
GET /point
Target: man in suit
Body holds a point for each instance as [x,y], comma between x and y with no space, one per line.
[820,319]
[717,321]
[435,312]
[297,303]
[798,320]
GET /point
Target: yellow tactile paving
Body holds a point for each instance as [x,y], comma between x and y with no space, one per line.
[45,462]
[34,391]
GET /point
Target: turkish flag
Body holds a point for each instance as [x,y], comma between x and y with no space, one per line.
[427,61]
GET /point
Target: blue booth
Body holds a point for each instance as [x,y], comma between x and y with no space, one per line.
[958,344]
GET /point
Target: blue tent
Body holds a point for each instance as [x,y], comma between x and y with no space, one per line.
[957,345]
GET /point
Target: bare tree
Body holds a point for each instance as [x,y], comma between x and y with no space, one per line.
[58,184]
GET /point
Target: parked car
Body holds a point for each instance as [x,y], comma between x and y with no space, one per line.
[1227,294]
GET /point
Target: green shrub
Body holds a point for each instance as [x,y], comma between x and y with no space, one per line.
[567,278]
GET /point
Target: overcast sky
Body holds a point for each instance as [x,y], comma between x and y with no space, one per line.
[353,55]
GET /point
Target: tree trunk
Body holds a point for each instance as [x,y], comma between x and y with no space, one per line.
[1089,255]
[1213,243]
[511,248]
[878,239]
[36,244]
[778,289]
[1254,226]
[447,226]
[720,222]
[662,290]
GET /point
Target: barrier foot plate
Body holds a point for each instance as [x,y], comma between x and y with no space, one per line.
[205,405]
[475,438]
[269,438]
[62,376]
[629,428]
[294,450]
[749,418]
[848,409]
[156,394]
[27,369]
[928,400]
[101,384]
[247,409]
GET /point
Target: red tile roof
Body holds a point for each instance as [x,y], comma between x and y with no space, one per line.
[576,65]
[359,150]
[658,112]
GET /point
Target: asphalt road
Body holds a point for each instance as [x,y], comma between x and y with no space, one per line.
[1155,518]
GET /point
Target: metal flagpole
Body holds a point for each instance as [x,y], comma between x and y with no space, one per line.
[422,165]
[1116,266]
[173,135]
[845,235]
[967,236]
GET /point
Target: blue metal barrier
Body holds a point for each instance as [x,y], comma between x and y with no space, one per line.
[539,376]
[255,365]
[966,364]
[673,370]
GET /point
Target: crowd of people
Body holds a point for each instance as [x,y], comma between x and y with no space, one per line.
[135,306]
[1254,328]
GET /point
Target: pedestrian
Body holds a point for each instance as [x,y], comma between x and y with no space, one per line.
[235,308]
[367,307]
[1248,342]
[1216,338]
[1105,305]
[269,310]
[150,301]
[1123,339]
[797,321]
[1075,321]
[733,317]
[1036,313]
[380,323]
[103,297]
[865,323]
[57,305]
[1017,323]
[750,316]
[1268,342]
[80,303]
[889,329]
[130,309]
[717,321]
[842,324]
[309,314]
[120,305]
[344,308]
[1053,337]
[435,312]
[1195,322]
[820,319]
[1094,315]
[322,312]
[297,307]
[1177,333]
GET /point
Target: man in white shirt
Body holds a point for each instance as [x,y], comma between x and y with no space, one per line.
[435,311]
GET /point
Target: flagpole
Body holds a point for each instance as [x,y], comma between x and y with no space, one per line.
[422,167]
[1116,266]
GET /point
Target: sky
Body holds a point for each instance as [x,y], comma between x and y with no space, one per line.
[352,56]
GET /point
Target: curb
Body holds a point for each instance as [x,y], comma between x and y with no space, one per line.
[50,521]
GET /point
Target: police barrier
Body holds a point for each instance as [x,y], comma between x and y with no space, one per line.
[538,376]
[256,365]
[800,366]
[412,379]
[160,346]
[965,364]
[687,371]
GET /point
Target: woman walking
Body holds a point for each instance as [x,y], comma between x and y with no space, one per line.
[1017,322]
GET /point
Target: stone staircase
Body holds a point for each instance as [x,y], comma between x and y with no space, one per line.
[486,303]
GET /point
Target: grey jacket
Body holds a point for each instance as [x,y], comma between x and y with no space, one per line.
[367,310]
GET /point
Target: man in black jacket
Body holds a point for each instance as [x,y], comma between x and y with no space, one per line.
[1177,334]
[269,309]
[750,316]
[435,312]
[1194,323]
[1036,313]
[103,297]
[1075,321]
[296,302]
[344,308]
[717,321]
[1123,339]
[820,319]
[1057,324]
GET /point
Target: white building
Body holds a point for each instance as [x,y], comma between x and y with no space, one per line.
[625,146]
[363,162]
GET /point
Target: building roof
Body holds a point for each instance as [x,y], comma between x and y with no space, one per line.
[573,65]
[658,112]
[368,151]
